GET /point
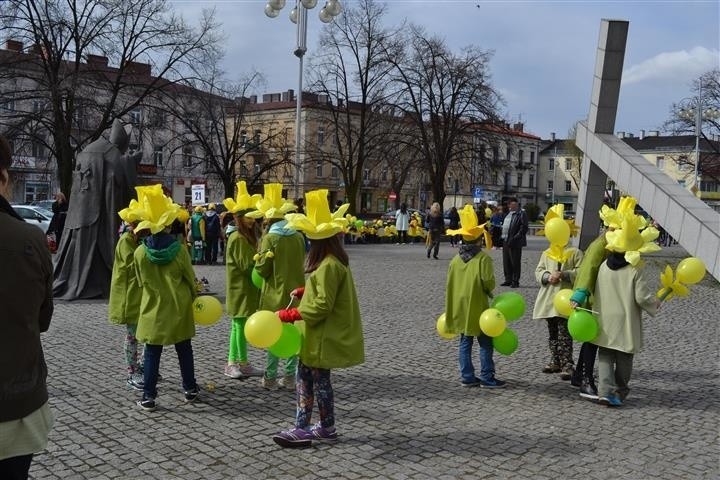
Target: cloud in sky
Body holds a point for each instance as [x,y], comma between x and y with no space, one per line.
[680,66]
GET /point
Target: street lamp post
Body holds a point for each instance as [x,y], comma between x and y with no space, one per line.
[697,114]
[298,16]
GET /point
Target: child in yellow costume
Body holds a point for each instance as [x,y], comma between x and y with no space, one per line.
[333,329]
[470,281]
[165,274]
[280,264]
[242,297]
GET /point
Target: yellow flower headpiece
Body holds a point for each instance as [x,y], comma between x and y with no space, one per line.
[469,228]
[183,216]
[318,223]
[152,209]
[272,205]
[632,235]
[243,201]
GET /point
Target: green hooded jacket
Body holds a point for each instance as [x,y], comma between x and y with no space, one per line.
[284,271]
[467,289]
[242,296]
[125,292]
[333,329]
[167,280]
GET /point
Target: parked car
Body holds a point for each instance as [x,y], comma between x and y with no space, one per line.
[34,215]
[46,204]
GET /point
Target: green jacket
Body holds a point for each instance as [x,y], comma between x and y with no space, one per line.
[544,307]
[125,292]
[467,289]
[242,296]
[167,280]
[333,329]
[284,270]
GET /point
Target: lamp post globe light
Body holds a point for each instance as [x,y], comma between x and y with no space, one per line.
[298,15]
[693,110]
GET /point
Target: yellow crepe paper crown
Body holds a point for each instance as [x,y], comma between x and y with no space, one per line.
[153,209]
[183,216]
[632,235]
[318,223]
[272,205]
[469,227]
[243,201]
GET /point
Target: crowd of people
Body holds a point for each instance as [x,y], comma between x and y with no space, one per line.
[296,249]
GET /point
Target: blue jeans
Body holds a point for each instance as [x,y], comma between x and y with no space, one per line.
[152,367]
[487,364]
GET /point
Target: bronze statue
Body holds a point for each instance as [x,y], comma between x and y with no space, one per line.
[103,183]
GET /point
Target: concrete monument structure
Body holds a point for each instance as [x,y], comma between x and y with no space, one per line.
[695,225]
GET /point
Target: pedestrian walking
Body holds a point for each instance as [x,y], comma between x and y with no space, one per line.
[514,231]
[436,228]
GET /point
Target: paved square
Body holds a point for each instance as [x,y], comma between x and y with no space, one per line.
[402,414]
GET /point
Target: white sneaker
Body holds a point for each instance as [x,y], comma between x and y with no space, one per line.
[233,371]
[287,382]
[248,370]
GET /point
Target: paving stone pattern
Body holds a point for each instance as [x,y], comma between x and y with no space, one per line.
[401,415]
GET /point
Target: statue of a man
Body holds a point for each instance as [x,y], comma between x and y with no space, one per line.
[103,182]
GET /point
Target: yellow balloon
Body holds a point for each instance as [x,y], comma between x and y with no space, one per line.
[557,231]
[263,328]
[690,270]
[207,310]
[441,327]
[561,302]
[492,322]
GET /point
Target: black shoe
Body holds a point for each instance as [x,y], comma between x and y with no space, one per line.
[515,285]
[428,254]
[435,257]
[506,284]
[588,391]
[147,404]
[191,395]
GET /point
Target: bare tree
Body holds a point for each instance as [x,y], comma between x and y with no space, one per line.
[66,74]
[353,71]
[448,97]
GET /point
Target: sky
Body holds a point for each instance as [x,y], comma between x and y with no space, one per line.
[544,51]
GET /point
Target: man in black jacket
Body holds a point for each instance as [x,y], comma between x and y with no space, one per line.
[514,231]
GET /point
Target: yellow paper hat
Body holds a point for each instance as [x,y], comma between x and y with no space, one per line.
[131,214]
[468,224]
[272,205]
[183,215]
[153,209]
[243,201]
[632,235]
[318,223]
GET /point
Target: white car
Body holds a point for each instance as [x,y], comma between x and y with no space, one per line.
[33,215]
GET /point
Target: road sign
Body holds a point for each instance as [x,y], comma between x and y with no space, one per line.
[392,196]
[477,194]
[198,194]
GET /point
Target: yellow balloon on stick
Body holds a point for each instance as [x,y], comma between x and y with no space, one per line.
[557,231]
[561,302]
[492,322]
[690,270]
[207,310]
[263,328]
[441,327]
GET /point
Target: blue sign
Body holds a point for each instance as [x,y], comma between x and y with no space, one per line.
[477,192]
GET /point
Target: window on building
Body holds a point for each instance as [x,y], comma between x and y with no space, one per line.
[135,116]
[366,174]
[7,103]
[243,137]
[496,178]
[531,180]
[568,164]
[568,186]
[319,169]
[157,117]
[496,154]
[256,169]
[187,153]
[383,175]
[256,137]
[551,164]
[38,149]
[36,191]
[37,106]
[334,172]
[321,136]
[521,157]
[683,165]
[660,163]
[519,179]
[550,186]
[532,158]
[158,155]
[243,169]
[188,195]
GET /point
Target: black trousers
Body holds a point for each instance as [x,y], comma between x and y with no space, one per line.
[15,468]
[511,263]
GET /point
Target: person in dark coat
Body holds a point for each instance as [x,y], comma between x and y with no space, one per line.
[454,224]
[436,227]
[514,231]
[57,223]
[26,297]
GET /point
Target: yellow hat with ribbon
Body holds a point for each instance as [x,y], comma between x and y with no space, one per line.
[153,209]
[318,223]
[243,201]
[469,228]
[631,234]
[272,205]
